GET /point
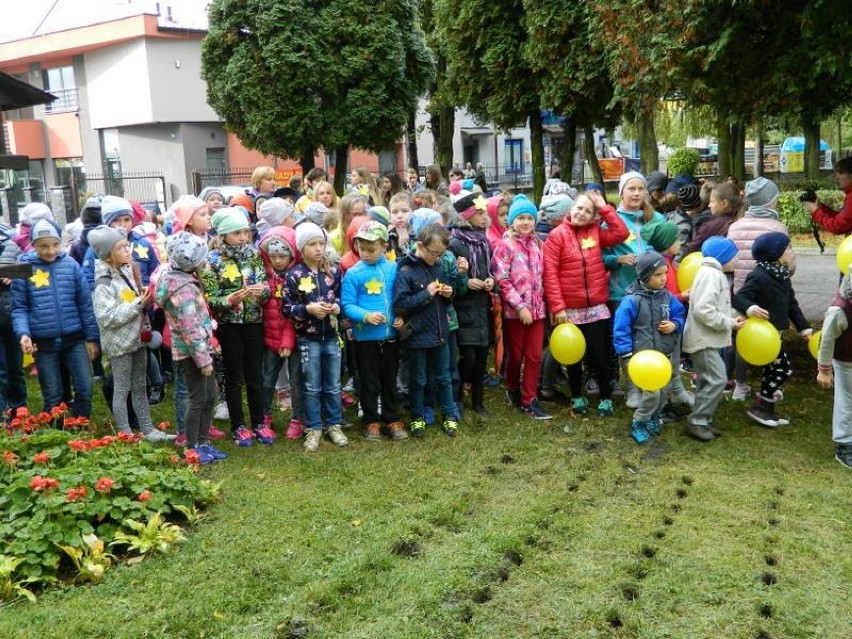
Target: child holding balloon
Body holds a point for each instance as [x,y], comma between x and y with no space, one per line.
[768,294]
[835,367]
[649,317]
[708,329]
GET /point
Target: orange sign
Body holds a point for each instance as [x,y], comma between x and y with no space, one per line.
[612,168]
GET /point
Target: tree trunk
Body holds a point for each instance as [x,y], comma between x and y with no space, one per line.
[537,144]
[446,124]
[738,133]
[648,152]
[569,148]
[341,160]
[591,153]
[759,144]
[306,160]
[723,136]
[411,139]
[811,127]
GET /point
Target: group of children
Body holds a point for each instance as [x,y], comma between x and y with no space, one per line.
[409,301]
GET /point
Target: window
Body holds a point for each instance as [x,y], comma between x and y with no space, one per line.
[215,159]
[60,82]
[513,156]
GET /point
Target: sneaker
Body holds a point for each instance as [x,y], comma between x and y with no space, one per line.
[372,432]
[700,432]
[213,451]
[491,381]
[592,387]
[639,431]
[844,456]
[349,387]
[617,390]
[605,408]
[450,427]
[243,437]
[763,412]
[154,435]
[180,440]
[654,427]
[429,415]
[348,400]
[265,435]
[397,431]
[312,440]
[156,396]
[551,395]
[215,433]
[267,420]
[778,395]
[295,429]
[204,456]
[685,397]
[535,411]
[417,428]
[730,385]
[360,411]
[667,417]
[221,412]
[634,395]
[513,396]
[580,405]
[715,431]
[741,392]
[335,434]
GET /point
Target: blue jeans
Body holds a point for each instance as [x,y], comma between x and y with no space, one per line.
[272,365]
[320,361]
[13,384]
[434,361]
[74,356]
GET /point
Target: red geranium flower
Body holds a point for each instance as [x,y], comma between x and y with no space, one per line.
[145,495]
[164,425]
[42,457]
[39,483]
[191,457]
[23,411]
[129,438]
[104,485]
[79,445]
[74,494]
[10,458]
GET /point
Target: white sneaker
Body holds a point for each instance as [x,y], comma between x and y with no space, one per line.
[741,392]
[312,440]
[221,412]
[349,387]
[155,435]
[336,435]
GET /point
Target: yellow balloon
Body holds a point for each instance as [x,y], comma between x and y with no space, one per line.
[650,370]
[844,255]
[758,342]
[687,270]
[813,344]
[567,344]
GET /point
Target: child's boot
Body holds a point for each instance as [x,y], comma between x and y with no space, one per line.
[639,431]
[397,431]
[372,432]
[295,429]
[763,412]
[312,440]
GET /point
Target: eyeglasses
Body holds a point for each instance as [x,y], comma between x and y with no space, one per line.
[435,254]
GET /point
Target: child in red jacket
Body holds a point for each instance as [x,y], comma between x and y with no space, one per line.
[279,253]
[576,287]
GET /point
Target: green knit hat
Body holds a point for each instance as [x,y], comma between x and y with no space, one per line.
[229,220]
[661,235]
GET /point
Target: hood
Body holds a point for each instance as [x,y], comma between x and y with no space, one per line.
[31,256]
[177,279]
[354,225]
[492,207]
[285,233]
[146,229]
[761,211]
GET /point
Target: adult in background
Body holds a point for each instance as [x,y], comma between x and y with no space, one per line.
[837,222]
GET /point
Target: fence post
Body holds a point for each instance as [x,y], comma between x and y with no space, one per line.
[196,182]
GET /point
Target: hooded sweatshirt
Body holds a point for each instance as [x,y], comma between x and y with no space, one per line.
[495,230]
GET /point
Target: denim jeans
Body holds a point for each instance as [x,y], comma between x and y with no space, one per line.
[272,366]
[13,384]
[74,356]
[320,365]
[436,361]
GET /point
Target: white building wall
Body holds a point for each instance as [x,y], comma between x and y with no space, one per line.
[119,93]
[178,93]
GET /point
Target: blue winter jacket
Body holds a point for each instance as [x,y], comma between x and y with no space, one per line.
[426,314]
[54,302]
[368,288]
[143,254]
[637,317]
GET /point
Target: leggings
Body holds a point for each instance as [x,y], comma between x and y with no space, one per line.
[129,372]
[597,355]
[473,361]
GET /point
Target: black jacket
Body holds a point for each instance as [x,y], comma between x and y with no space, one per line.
[425,314]
[474,307]
[773,294]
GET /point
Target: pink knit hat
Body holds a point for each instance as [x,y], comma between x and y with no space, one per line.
[184,212]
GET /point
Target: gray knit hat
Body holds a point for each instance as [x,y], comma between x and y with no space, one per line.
[555,207]
[760,191]
[647,263]
[102,238]
[186,251]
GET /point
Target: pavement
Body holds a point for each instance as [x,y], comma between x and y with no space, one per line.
[815,282]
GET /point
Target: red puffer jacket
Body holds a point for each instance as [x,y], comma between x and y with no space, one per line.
[574,271]
[278,331]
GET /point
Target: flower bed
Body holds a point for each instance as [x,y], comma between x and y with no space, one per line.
[65,493]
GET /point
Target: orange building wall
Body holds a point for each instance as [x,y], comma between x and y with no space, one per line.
[63,135]
[26,137]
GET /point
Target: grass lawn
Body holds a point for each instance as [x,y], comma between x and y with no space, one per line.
[514,529]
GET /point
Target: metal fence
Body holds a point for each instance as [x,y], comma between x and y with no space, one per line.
[145,188]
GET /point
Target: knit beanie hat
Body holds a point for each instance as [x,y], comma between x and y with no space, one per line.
[229,219]
[91,213]
[689,197]
[102,238]
[185,210]
[379,214]
[315,212]
[520,205]
[423,217]
[455,187]
[45,229]
[372,231]
[657,181]
[660,235]
[113,207]
[139,214]
[469,205]
[244,200]
[213,192]
[275,210]
[555,207]
[595,186]
[626,177]
[557,187]
[647,263]
[769,246]
[186,251]
[35,211]
[307,231]
[719,248]
[273,244]
[760,192]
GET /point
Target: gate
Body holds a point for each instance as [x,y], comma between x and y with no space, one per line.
[145,188]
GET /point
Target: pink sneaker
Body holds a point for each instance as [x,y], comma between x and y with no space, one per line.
[215,433]
[296,429]
[180,440]
[348,400]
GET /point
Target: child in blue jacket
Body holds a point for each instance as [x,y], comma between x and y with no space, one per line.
[53,317]
[367,300]
[648,318]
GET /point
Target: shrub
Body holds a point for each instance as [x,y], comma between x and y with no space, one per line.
[683,161]
[796,216]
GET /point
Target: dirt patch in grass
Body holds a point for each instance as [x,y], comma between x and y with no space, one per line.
[407,548]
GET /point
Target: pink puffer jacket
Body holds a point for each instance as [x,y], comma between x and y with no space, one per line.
[745,231]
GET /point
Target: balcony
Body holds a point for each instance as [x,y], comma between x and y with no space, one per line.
[66,101]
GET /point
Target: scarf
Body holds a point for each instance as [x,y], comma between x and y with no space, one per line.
[761,211]
[776,270]
[237,253]
[479,246]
